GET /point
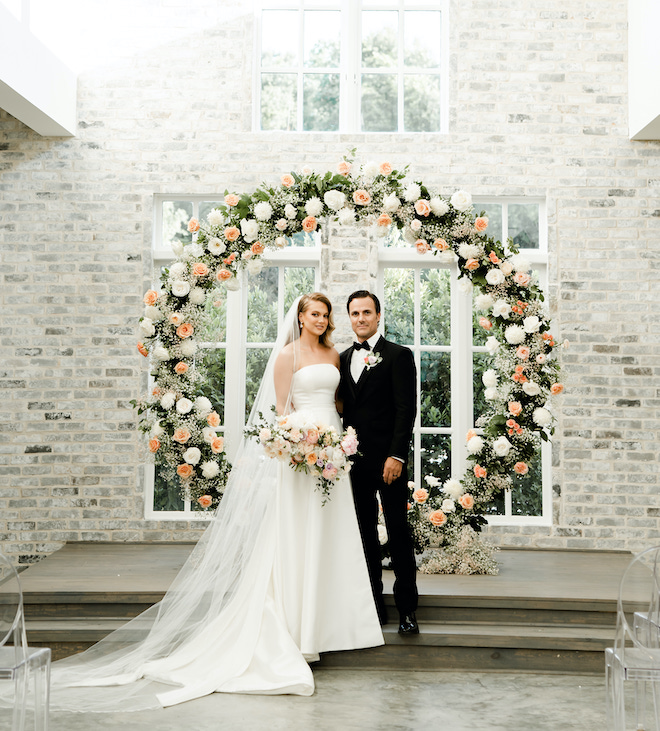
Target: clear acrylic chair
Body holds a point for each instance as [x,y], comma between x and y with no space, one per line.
[18,662]
[635,657]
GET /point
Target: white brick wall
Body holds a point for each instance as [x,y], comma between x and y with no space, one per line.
[537,107]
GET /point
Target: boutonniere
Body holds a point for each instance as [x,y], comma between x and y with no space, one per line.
[372,359]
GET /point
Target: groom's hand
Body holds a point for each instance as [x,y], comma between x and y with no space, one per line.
[392,470]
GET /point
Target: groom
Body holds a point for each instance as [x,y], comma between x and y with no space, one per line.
[378,390]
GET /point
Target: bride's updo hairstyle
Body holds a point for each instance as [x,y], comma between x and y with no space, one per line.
[305,302]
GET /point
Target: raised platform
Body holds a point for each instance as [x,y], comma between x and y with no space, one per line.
[550,611]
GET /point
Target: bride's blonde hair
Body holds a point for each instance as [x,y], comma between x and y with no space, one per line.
[305,302]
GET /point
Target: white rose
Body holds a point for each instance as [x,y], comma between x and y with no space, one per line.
[161,353]
[180,288]
[461,200]
[469,251]
[520,263]
[281,242]
[216,217]
[233,285]
[542,417]
[506,268]
[531,324]
[514,335]
[448,506]
[501,446]
[249,229]
[147,327]
[438,206]
[263,211]
[313,207]
[489,378]
[290,211]
[216,246]
[177,248]
[247,254]
[178,269]
[168,400]
[475,445]
[370,170]
[491,394]
[382,534]
[483,302]
[531,388]
[432,481]
[254,266]
[416,225]
[194,251]
[184,405]
[492,344]
[153,313]
[192,455]
[465,285]
[346,216]
[453,488]
[210,470]
[334,199]
[157,430]
[208,434]
[412,192]
[494,277]
[502,309]
[188,347]
[203,406]
[391,203]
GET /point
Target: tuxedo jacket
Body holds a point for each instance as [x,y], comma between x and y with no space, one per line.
[382,405]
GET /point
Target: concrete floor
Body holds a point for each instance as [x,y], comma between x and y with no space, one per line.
[352,700]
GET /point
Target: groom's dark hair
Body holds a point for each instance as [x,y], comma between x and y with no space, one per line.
[359,295]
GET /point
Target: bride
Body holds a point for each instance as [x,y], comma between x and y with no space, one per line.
[276,579]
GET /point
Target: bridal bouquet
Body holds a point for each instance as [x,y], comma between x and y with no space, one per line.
[307,445]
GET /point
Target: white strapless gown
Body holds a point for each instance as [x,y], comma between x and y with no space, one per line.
[305,591]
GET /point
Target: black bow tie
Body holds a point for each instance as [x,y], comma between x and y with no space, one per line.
[360,346]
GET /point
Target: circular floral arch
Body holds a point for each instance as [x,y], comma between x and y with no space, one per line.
[182,426]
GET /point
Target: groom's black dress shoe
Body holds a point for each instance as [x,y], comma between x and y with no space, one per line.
[408,624]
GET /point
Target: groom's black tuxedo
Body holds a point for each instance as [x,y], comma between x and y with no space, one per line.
[381,407]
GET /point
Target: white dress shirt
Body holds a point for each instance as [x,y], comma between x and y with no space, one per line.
[357,358]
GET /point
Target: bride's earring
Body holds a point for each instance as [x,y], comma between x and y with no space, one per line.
[300,325]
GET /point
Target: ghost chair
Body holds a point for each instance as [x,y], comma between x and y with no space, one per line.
[18,662]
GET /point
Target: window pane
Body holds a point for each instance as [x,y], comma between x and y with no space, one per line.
[214,327]
[421,108]
[399,305]
[255,365]
[480,362]
[321,102]
[176,215]
[304,239]
[167,495]
[527,491]
[394,237]
[262,307]
[496,507]
[379,38]
[321,38]
[436,456]
[435,387]
[279,38]
[297,281]
[205,207]
[279,98]
[524,225]
[494,213]
[211,367]
[435,306]
[422,34]
[379,103]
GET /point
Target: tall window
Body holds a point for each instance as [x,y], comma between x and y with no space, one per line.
[239,333]
[351,66]
[425,309]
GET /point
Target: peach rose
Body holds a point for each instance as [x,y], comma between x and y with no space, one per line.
[556,388]
[441,245]
[361,198]
[481,224]
[217,445]
[515,408]
[344,168]
[223,274]
[232,200]
[384,220]
[312,436]
[180,367]
[523,352]
[150,297]
[230,259]
[311,458]
[385,168]
[287,180]
[200,269]
[309,224]
[522,279]
[471,433]
[185,471]
[142,349]
[154,445]
[205,501]
[213,419]
[193,225]
[156,391]
[485,323]
[421,495]
[471,265]
[422,246]
[181,435]
[520,468]
[257,248]
[437,518]
[494,258]
[184,330]
[479,471]
[422,207]
[466,501]
[232,233]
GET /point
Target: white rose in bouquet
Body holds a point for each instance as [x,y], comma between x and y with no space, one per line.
[168,400]
[520,263]
[193,251]
[489,378]
[448,506]
[531,324]
[192,455]
[249,229]
[290,211]
[184,406]
[391,203]
[475,445]
[180,288]
[177,248]
[254,266]
[461,200]
[494,277]
[147,328]
[334,199]
[209,434]
[483,302]
[492,344]
[233,285]
[491,394]
[216,246]
[203,406]
[465,285]
[156,429]
[502,309]
[161,353]
[531,388]
[178,269]
[502,446]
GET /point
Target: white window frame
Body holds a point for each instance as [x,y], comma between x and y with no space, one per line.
[350,64]
[461,349]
